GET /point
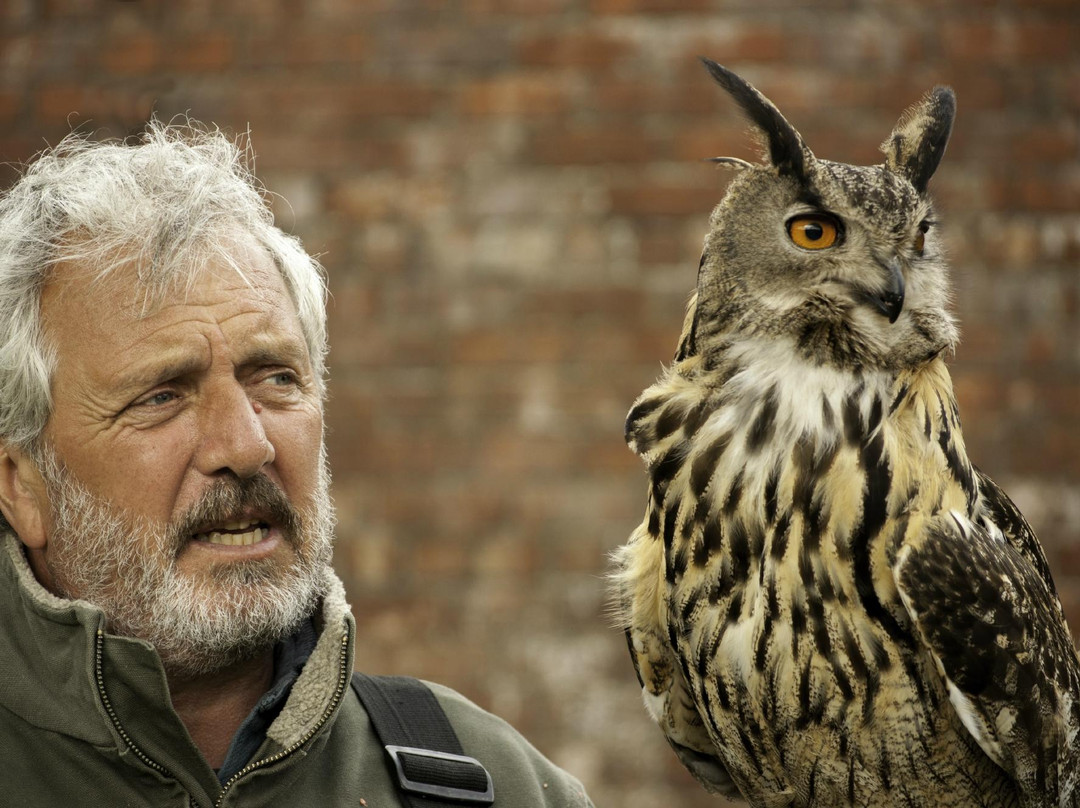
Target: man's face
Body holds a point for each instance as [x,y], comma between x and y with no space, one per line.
[187,495]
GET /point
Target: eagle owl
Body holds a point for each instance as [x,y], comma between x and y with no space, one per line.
[827,604]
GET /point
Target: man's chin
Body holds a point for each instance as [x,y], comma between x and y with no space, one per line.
[204,627]
[230,576]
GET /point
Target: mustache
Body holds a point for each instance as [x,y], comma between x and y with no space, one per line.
[232,498]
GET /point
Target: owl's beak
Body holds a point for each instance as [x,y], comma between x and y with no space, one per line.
[890,300]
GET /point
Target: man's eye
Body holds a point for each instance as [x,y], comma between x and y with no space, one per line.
[283,378]
[157,399]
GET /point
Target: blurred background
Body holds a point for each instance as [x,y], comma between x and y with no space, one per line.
[510,199]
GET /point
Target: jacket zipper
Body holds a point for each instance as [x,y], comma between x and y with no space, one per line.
[339,692]
[100,676]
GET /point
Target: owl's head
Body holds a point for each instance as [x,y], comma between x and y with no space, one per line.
[842,261]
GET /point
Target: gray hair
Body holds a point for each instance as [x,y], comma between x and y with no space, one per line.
[172,200]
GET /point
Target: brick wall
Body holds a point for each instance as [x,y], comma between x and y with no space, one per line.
[510,202]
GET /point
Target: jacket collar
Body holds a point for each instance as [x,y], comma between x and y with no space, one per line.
[61,671]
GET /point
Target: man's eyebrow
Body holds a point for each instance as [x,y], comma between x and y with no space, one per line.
[157,371]
[162,368]
[276,351]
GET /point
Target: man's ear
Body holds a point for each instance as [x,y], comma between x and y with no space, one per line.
[23,498]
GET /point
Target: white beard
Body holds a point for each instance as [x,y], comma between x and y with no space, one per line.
[126,566]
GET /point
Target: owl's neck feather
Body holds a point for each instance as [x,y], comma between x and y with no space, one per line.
[805,393]
[807,399]
[765,395]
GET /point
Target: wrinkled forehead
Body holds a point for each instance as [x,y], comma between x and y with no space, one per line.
[141,280]
[103,324]
[879,194]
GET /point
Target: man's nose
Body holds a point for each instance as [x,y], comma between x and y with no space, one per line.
[232,435]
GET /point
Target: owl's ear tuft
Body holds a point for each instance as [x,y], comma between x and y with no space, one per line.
[917,144]
[787,152]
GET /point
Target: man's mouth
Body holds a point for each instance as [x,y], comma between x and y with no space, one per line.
[237,534]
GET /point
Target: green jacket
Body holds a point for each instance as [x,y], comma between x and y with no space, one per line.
[86,720]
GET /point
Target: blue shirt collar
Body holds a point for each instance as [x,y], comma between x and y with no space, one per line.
[290,655]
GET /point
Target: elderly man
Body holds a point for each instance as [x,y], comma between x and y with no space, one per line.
[171,632]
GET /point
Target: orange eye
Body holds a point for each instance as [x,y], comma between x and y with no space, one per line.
[920,238]
[814,231]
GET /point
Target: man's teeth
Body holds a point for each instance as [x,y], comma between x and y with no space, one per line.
[235,533]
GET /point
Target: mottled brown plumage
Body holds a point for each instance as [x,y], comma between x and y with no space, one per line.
[827,604]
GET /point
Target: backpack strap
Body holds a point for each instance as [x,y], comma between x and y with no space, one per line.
[423,749]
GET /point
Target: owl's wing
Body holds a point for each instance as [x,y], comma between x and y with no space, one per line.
[1001,512]
[641,603]
[670,705]
[983,603]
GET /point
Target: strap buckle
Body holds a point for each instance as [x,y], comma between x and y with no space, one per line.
[434,789]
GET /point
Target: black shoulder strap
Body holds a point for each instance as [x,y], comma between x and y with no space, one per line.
[424,751]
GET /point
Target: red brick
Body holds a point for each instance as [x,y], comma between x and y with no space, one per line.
[729,137]
[663,200]
[334,150]
[1059,193]
[367,197]
[664,245]
[589,304]
[978,392]
[10,106]
[1052,144]
[970,40]
[70,9]
[980,341]
[1070,295]
[114,110]
[334,103]
[975,92]
[754,43]
[1048,445]
[579,50]
[525,96]
[203,52]
[519,8]
[647,6]
[496,345]
[310,48]
[1061,399]
[339,101]
[1068,562]
[1009,241]
[1041,348]
[595,146]
[1047,40]
[134,53]
[15,149]
[626,97]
